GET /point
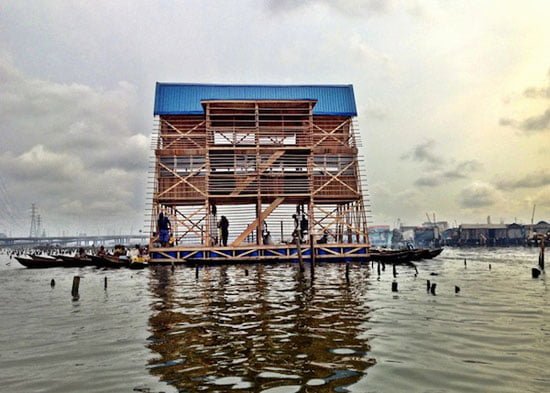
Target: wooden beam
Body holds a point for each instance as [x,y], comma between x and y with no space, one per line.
[182,133]
[262,167]
[254,224]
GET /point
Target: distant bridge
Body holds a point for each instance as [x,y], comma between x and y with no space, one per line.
[73,241]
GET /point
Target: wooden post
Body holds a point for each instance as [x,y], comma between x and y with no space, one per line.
[394,271]
[52,283]
[378,268]
[535,273]
[457,289]
[76,284]
[428,285]
[432,288]
[282,235]
[541,255]
[464,262]
[105,283]
[196,272]
[299,250]
[313,256]
[394,286]
[347,272]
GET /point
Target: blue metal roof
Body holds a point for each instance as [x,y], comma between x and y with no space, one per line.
[185,98]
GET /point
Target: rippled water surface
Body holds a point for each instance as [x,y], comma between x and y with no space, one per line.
[274,329]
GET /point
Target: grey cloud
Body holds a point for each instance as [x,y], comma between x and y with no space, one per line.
[72,149]
[463,169]
[533,124]
[439,169]
[537,123]
[534,92]
[428,181]
[477,195]
[459,171]
[538,92]
[424,153]
[535,179]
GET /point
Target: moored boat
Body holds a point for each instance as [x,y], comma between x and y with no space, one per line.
[109,261]
[75,261]
[404,256]
[39,261]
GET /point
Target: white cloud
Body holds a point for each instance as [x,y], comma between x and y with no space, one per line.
[479,195]
[71,149]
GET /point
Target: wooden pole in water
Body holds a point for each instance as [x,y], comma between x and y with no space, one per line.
[541,255]
[378,268]
[299,251]
[347,272]
[394,271]
[196,272]
[313,256]
[394,286]
[432,288]
[105,283]
[76,284]
[428,285]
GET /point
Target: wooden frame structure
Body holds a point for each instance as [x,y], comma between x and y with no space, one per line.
[268,165]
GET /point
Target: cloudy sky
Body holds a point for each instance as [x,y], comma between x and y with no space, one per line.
[453,98]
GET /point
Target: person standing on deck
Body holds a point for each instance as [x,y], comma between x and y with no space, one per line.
[296,231]
[164,227]
[304,224]
[224,229]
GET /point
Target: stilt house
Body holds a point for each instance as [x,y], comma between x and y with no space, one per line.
[275,160]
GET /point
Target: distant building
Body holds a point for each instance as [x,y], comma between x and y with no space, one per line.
[380,235]
[491,234]
[426,235]
[540,227]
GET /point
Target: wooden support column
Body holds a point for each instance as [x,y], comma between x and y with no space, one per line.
[254,225]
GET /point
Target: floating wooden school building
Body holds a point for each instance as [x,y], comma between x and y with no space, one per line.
[268,158]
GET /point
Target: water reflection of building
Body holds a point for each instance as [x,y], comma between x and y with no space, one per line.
[266,329]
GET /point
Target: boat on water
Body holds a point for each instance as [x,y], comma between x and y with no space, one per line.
[109,261]
[75,261]
[404,256]
[39,261]
[34,261]
[138,264]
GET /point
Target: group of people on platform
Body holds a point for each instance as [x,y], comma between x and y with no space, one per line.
[164,237]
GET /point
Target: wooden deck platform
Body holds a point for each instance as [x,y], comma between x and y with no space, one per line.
[345,252]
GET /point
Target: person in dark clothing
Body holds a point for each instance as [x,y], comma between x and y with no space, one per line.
[304,224]
[164,226]
[224,228]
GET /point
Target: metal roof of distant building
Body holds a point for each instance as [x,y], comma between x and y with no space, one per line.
[185,98]
[483,226]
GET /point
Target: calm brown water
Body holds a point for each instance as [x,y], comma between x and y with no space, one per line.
[275,330]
